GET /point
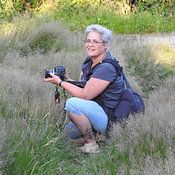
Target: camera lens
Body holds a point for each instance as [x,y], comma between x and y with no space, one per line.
[48,72]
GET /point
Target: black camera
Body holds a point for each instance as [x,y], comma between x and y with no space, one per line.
[58,70]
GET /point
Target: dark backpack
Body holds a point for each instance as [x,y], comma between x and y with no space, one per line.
[138,105]
[131,102]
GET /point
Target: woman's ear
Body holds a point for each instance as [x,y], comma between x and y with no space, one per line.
[106,46]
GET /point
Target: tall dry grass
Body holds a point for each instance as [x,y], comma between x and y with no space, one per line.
[151,133]
[30,122]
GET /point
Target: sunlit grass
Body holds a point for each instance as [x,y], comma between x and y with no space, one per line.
[7,29]
[125,24]
[165,55]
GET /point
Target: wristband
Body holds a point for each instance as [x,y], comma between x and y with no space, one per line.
[60,83]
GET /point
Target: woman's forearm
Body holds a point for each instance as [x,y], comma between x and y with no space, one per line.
[72,89]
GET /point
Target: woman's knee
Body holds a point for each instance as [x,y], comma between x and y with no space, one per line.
[73,105]
[70,103]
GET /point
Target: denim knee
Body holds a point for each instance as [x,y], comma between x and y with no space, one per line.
[92,110]
[72,105]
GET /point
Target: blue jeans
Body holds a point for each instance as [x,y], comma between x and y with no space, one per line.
[92,110]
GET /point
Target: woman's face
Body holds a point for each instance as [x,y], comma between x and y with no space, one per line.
[94,45]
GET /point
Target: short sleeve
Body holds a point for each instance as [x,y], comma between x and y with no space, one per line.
[105,71]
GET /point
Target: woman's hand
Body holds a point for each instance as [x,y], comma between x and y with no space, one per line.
[54,79]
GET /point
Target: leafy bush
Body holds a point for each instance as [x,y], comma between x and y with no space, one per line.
[161,7]
[146,67]
[11,8]
[44,42]
[151,74]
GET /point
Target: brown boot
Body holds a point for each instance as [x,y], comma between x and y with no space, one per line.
[79,142]
[89,148]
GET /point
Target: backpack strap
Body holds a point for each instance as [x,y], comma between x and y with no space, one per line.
[126,81]
[116,65]
[110,60]
[119,70]
[87,60]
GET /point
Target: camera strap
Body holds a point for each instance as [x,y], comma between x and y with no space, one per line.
[57,96]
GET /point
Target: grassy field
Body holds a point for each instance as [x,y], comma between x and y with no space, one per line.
[140,23]
[31,141]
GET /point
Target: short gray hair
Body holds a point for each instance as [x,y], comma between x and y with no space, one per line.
[106,34]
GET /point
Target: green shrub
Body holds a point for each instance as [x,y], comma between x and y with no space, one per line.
[161,7]
[144,62]
[45,42]
[44,38]
[150,74]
